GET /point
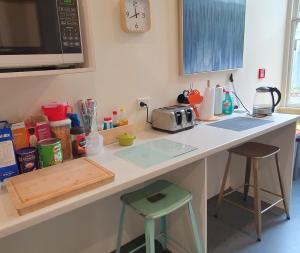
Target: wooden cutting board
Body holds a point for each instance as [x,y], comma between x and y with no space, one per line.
[44,187]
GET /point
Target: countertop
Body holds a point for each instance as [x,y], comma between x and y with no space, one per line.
[208,141]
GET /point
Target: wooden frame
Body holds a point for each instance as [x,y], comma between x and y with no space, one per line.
[88,49]
[123,19]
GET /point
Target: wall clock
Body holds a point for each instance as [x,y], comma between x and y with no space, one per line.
[135,15]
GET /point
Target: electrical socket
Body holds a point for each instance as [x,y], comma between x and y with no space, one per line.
[146,100]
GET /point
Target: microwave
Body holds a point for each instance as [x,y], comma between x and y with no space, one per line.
[40,33]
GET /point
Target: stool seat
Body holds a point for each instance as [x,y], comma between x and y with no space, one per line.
[157,199]
[255,150]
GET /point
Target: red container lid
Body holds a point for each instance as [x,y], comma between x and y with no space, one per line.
[107,119]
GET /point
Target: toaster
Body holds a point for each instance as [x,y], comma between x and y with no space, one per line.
[173,119]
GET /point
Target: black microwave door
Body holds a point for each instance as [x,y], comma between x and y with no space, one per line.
[29,27]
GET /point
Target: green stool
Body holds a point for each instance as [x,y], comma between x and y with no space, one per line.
[153,202]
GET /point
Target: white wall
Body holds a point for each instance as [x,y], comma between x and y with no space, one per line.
[130,66]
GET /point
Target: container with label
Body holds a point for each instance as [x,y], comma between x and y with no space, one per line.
[61,130]
[78,142]
[27,159]
[227,104]
[50,152]
[20,135]
[8,164]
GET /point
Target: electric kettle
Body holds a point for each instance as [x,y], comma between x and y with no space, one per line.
[264,101]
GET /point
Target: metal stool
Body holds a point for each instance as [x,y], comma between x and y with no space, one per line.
[155,202]
[253,152]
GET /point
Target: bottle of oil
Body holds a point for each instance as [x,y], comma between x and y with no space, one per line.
[123,120]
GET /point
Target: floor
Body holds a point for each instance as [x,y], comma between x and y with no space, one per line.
[234,230]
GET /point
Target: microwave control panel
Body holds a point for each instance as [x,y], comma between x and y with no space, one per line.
[69,24]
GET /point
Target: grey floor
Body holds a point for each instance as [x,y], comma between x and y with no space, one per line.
[234,231]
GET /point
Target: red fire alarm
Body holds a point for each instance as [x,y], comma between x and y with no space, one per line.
[261,73]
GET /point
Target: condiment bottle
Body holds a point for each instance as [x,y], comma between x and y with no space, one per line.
[123,120]
[108,123]
[227,104]
[32,138]
[78,142]
[115,119]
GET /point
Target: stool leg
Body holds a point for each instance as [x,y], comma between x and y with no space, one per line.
[221,194]
[198,240]
[163,230]
[150,235]
[247,178]
[120,229]
[257,201]
[282,188]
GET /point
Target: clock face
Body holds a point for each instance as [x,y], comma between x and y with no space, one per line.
[137,15]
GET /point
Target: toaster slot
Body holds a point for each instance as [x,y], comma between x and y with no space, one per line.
[178,116]
[189,115]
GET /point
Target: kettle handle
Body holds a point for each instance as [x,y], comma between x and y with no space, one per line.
[275,90]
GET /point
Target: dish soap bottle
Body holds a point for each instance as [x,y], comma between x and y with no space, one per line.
[227,104]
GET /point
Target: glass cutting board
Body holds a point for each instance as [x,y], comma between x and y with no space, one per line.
[154,153]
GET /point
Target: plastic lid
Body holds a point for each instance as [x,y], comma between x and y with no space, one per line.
[77,130]
[115,113]
[122,109]
[60,123]
[107,119]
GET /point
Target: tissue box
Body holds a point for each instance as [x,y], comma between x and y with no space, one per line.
[8,164]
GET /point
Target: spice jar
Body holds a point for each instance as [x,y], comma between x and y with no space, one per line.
[61,130]
[78,142]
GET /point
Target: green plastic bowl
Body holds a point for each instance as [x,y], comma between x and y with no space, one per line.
[126,139]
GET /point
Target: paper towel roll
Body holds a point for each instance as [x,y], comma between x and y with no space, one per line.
[219,100]
[207,108]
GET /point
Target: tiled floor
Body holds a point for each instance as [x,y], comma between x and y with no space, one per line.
[234,231]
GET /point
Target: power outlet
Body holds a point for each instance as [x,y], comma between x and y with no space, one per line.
[145,100]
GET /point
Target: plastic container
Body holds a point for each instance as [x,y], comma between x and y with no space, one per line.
[61,130]
[123,120]
[126,139]
[94,144]
[27,159]
[227,104]
[78,139]
[56,111]
[115,119]
[108,123]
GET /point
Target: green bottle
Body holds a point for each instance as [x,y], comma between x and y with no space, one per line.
[227,104]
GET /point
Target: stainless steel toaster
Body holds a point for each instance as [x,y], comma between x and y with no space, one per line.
[173,119]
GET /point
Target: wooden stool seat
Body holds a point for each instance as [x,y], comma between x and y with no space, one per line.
[255,150]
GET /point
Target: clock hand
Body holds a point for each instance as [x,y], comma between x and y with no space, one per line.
[135,15]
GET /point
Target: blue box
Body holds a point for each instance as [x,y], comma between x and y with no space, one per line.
[8,164]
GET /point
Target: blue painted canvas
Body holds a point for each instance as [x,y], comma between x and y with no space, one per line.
[213,35]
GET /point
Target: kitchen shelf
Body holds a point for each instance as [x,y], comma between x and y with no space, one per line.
[88,49]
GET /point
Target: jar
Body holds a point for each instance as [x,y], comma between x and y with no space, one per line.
[78,142]
[61,130]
